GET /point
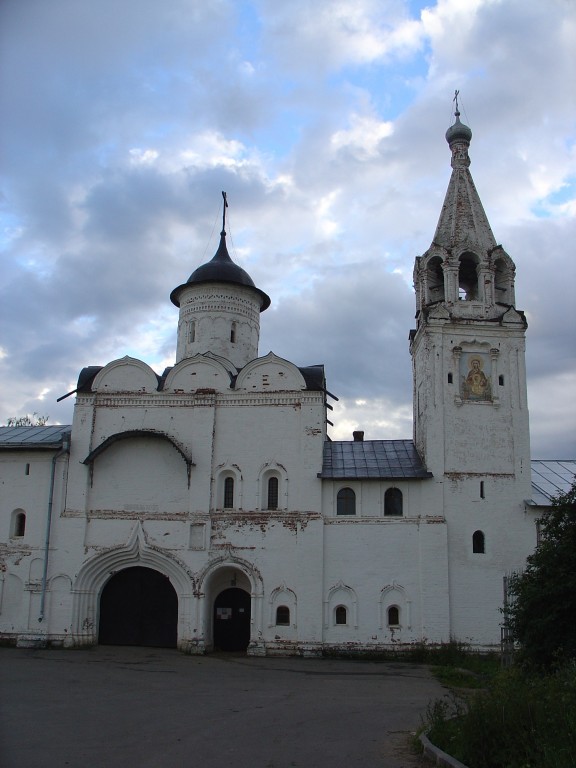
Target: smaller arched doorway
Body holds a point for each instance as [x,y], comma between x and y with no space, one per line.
[138,606]
[232,620]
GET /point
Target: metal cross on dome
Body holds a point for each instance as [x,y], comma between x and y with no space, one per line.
[224,212]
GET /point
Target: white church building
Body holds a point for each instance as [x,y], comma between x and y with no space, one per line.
[206,508]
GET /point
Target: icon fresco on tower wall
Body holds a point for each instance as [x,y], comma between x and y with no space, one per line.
[476,385]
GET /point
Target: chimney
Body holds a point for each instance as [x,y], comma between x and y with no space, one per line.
[358,436]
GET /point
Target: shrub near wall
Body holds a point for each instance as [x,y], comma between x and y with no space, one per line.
[542,610]
[519,722]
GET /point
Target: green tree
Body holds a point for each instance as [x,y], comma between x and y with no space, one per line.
[542,614]
[36,420]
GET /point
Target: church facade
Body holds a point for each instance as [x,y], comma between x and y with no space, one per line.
[206,508]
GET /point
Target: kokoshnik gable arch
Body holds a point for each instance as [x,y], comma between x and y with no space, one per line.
[218,477]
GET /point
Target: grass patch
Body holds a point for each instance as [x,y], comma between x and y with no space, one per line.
[456,677]
[469,669]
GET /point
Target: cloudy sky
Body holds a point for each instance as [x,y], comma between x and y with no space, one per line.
[324,121]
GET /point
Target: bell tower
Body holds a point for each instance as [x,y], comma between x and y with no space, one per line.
[470,404]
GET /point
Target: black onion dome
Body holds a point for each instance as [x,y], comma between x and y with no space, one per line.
[458,131]
[221,269]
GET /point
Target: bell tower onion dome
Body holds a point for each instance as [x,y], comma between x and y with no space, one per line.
[458,131]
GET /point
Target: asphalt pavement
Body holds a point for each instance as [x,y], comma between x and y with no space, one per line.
[125,707]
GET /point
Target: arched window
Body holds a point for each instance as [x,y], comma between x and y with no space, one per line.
[283,616]
[341,615]
[272,493]
[192,331]
[346,502]
[393,502]
[478,543]
[229,493]
[468,277]
[503,282]
[435,280]
[18,527]
[393,616]
[233,333]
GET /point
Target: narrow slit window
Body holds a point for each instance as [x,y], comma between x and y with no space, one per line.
[229,493]
[449,378]
[192,332]
[482,489]
[27,470]
[272,493]
[501,380]
[233,333]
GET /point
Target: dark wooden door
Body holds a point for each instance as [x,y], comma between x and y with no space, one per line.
[138,606]
[232,620]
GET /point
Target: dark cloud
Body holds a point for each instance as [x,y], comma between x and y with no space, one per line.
[360,316]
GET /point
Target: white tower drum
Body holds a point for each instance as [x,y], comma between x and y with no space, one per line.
[219,310]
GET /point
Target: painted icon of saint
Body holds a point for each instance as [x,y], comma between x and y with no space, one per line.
[476,385]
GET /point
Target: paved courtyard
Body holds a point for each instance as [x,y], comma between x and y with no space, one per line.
[112,707]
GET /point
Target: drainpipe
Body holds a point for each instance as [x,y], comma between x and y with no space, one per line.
[65,449]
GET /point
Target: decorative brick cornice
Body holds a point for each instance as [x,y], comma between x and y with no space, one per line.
[193,400]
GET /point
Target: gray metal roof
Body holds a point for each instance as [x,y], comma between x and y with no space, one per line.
[221,269]
[550,478]
[372,459]
[33,438]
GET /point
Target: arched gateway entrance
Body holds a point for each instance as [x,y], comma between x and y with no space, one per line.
[138,606]
[232,620]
